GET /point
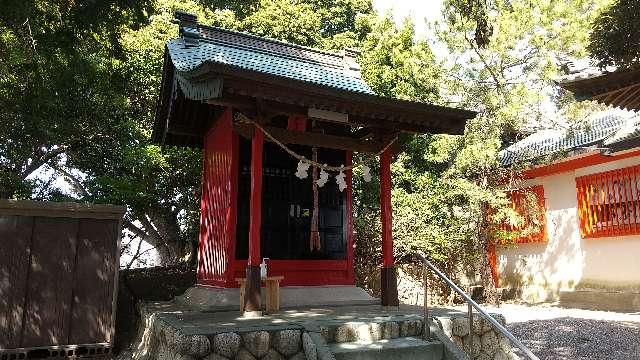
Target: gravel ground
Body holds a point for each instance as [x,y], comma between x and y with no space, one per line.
[556,333]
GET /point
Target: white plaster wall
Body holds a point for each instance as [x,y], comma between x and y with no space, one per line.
[567,261]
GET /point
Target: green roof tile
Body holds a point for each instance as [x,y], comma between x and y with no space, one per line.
[266,56]
[547,142]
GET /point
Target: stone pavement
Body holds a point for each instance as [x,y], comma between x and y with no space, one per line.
[193,321]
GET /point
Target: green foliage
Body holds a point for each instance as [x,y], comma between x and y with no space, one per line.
[317,23]
[615,38]
[79,82]
[58,88]
[395,65]
[78,88]
[476,12]
[510,78]
[448,195]
[277,19]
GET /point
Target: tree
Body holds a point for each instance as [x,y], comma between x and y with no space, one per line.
[615,37]
[395,64]
[162,188]
[448,194]
[509,78]
[79,83]
[58,90]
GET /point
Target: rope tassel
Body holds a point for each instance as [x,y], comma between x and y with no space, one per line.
[342,184]
[324,177]
[303,169]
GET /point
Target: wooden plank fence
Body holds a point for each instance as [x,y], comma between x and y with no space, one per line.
[58,277]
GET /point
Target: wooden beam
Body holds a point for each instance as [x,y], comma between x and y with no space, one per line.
[622,101]
[390,113]
[248,105]
[362,133]
[634,104]
[184,131]
[313,139]
[607,97]
[274,104]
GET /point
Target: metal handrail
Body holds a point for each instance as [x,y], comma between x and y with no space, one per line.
[471,304]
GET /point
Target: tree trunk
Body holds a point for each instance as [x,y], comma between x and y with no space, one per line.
[489,289]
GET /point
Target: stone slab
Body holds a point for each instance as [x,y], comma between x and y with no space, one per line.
[210,323]
[408,348]
[219,299]
[600,300]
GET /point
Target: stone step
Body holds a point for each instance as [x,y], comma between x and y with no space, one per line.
[372,329]
[406,348]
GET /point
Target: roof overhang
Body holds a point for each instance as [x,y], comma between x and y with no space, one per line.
[179,117]
[619,89]
[207,70]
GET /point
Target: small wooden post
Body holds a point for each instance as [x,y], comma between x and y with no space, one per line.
[389,285]
[252,292]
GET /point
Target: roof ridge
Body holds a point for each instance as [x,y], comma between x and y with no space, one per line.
[269,39]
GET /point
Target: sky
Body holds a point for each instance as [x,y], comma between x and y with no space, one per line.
[418,10]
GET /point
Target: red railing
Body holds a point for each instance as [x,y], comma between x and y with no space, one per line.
[608,203]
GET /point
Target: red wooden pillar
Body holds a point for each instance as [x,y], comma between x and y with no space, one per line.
[252,295]
[389,285]
[349,208]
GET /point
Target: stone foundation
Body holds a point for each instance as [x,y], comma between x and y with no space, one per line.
[485,342]
[371,331]
[169,331]
[159,341]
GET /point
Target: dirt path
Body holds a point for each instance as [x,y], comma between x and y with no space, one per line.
[556,333]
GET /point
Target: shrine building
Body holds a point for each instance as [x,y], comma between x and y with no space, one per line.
[279,124]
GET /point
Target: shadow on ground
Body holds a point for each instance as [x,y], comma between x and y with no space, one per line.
[573,338]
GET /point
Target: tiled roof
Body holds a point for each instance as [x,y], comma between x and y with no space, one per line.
[204,44]
[630,130]
[601,127]
[575,72]
[207,69]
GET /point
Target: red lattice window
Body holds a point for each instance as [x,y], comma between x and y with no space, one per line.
[519,204]
[608,203]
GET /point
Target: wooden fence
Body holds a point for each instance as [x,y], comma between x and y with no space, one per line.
[58,278]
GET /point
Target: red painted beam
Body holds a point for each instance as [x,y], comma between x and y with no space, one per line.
[388,280]
[349,209]
[576,162]
[255,205]
[385,208]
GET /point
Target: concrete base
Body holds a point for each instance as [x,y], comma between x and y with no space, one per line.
[374,334]
[219,299]
[600,300]
[251,314]
[390,308]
